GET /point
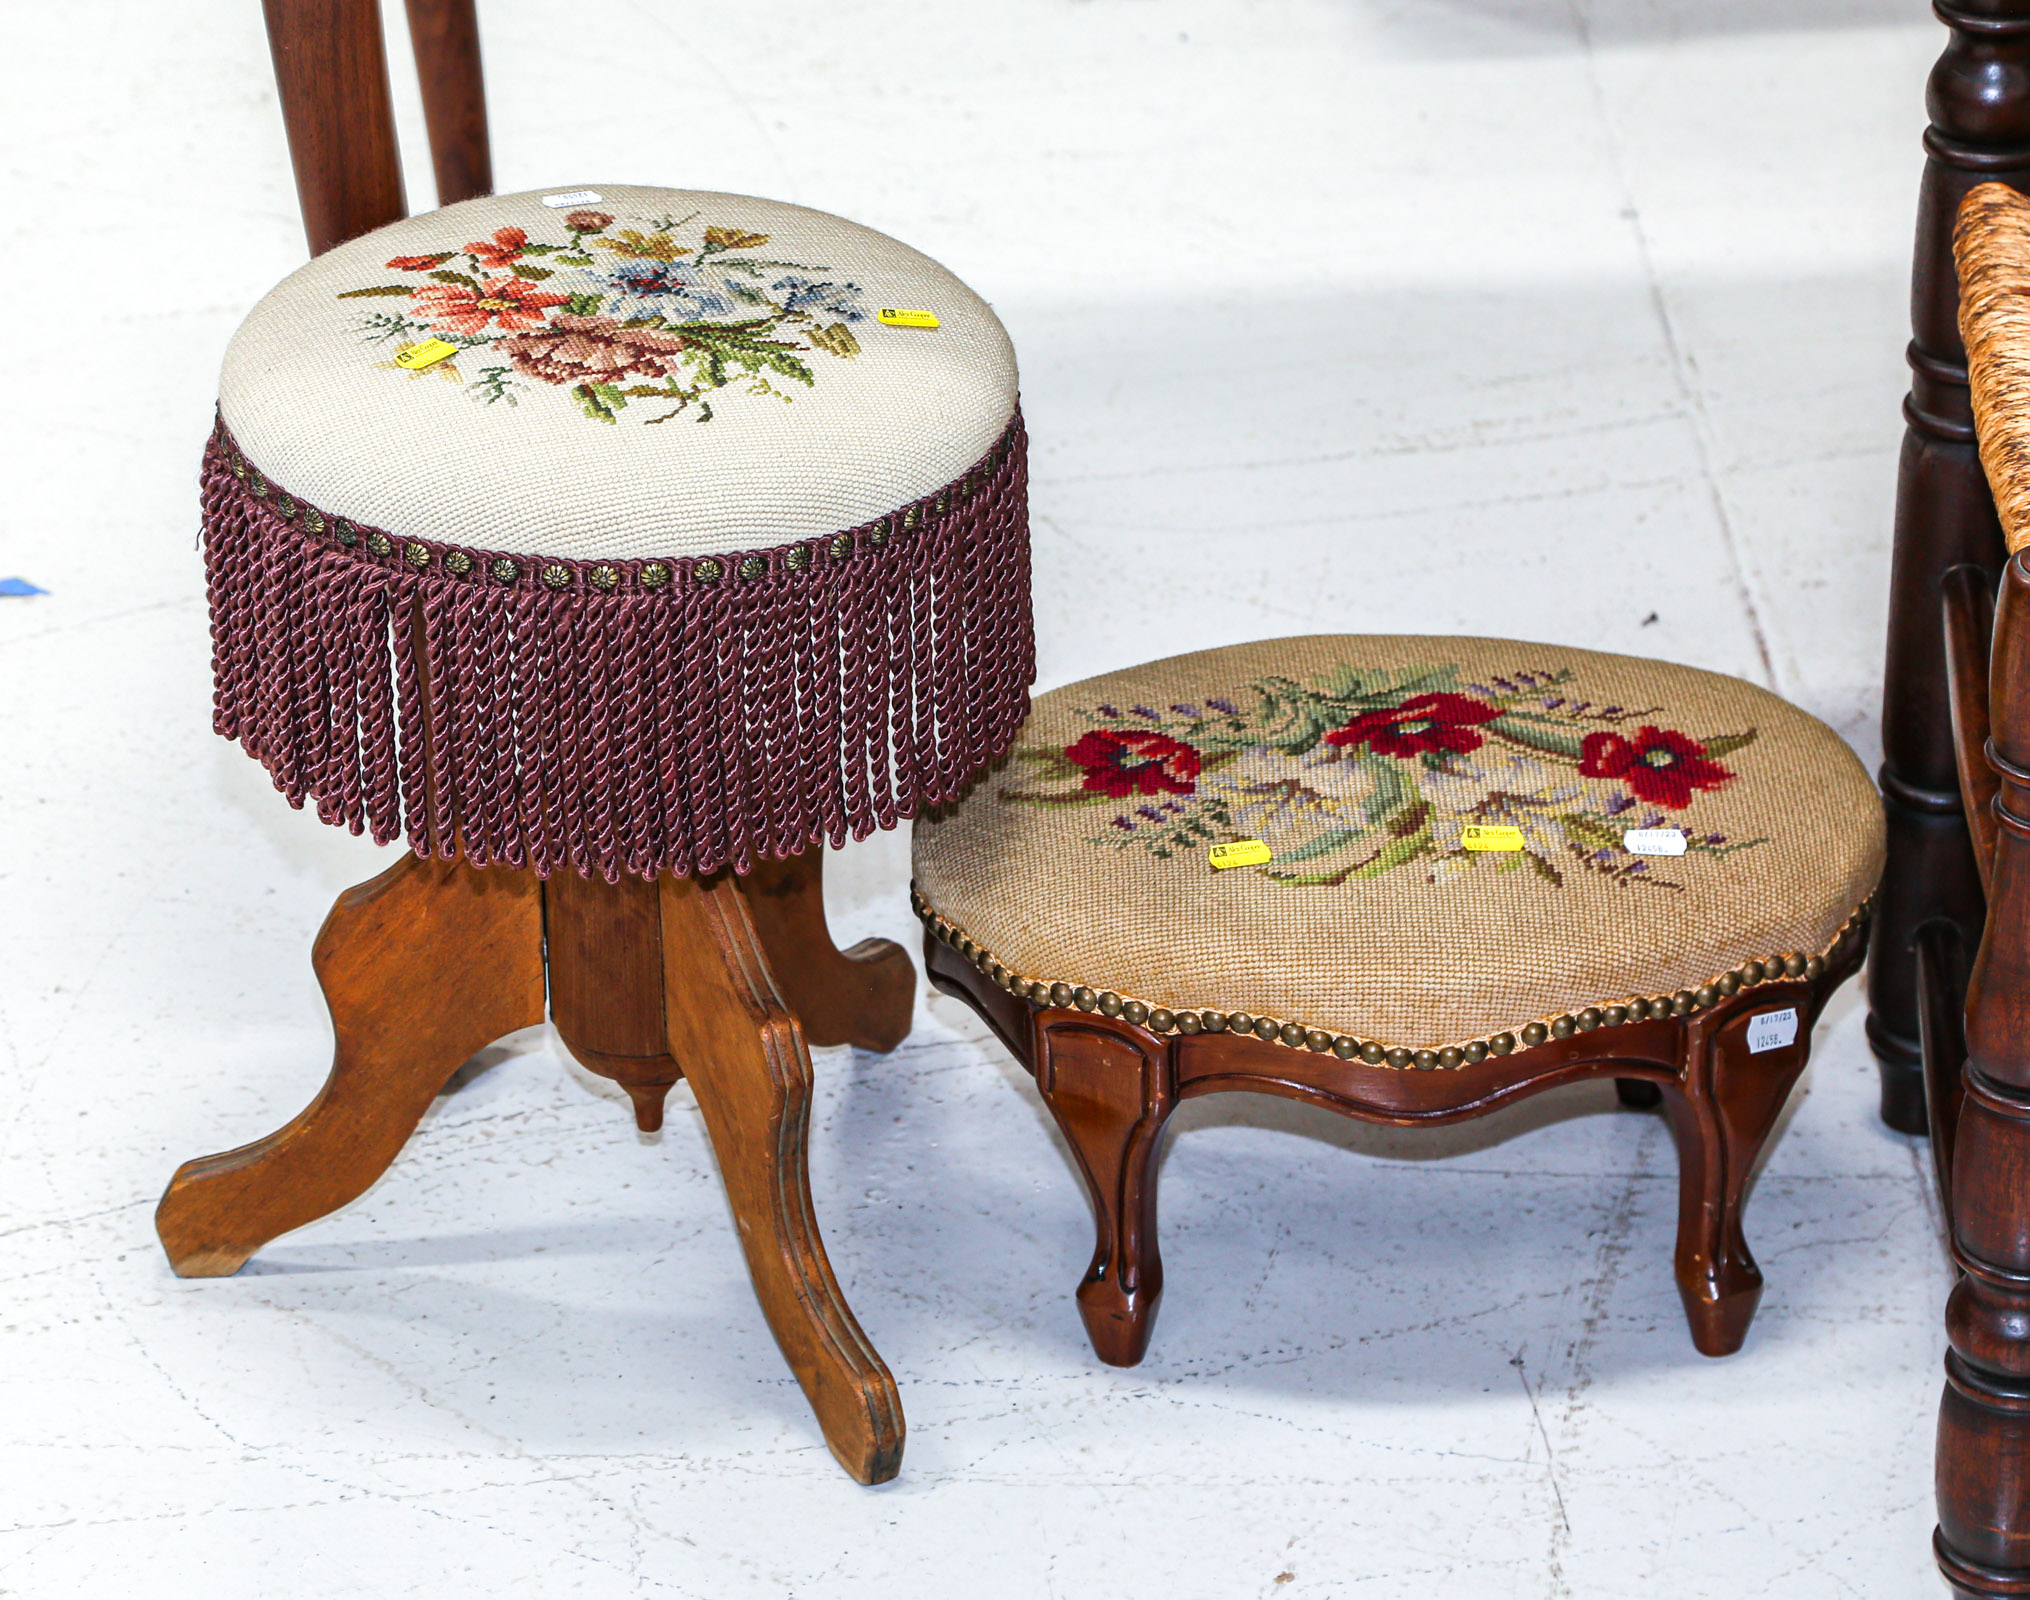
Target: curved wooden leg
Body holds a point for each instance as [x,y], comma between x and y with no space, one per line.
[1721,1114]
[744,1055]
[1112,1100]
[422,967]
[862,996]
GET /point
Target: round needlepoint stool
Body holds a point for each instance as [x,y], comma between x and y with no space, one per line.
[619,549]
[1470,870]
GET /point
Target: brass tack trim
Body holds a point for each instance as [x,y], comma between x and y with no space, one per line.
[504,571]
[655,574]
[557,575]
[379,543]
[753,567]
[457,561]
[417,555]
[1064,994]
[603,577]
[709,570]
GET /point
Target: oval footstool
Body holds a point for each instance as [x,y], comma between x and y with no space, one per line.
[1471,869]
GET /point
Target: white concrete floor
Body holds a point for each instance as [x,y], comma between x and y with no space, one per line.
[1576,320]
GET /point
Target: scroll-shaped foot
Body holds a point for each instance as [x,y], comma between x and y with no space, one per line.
[1722,1114]
[422,967]
[862,996]
[744,1056]
[1112,1099]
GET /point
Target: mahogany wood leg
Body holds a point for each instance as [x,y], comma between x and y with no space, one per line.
[1111,1098]
[1722,1114]
[1979,98]
[422,967]
[744,1055]
[1983,1465]
[863,996]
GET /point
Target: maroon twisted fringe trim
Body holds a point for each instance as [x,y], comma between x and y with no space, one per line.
[635,716]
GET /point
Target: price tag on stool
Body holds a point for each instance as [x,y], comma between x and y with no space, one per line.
[906,319]
[427,354]
[576,197]
[1240,853]
[1490,836]
[1772,1030]
[1654,841]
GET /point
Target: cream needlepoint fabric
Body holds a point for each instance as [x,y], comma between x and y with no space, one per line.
[659,372]
[1362,762]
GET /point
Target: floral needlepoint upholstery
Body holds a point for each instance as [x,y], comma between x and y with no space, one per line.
[621,534]
[1082,859]
[661,373]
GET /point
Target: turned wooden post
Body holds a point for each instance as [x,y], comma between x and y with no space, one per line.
[1983,1463]
[1979,101]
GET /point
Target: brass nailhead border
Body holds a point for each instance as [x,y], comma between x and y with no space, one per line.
[1791,965]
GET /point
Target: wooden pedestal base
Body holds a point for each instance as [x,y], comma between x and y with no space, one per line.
[1112,1086]
[720,980]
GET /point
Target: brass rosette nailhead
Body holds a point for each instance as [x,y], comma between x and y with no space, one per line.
[1062,994]
[557,576]
[709,570]
[345,532]
[458,562]
[379,544]
[841,546]
[878,536]
[603,577]
[797,557]
[654,575]
[504,572]
[752,567]
[418,554]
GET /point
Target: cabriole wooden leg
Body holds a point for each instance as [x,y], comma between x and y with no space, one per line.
[863,996]
[1722,1114]
[422,967]
[743,1054]
[1111,1099]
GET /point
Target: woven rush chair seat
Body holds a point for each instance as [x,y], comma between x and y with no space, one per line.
[694,557]
[1373,961]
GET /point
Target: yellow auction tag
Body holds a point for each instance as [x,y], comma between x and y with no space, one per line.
[906,319]
[1241,853]
[427,354]
[1490,836]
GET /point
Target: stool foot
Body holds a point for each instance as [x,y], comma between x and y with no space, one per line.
[1111,1099]
[863,996]
[422,967]
[743,1053]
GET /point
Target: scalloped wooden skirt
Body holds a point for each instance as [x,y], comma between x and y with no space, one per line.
[639,716]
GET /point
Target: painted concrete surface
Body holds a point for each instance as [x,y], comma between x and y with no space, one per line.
[1574,320]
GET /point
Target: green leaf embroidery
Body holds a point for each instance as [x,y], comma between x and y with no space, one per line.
[600,401]
[532,274]
[445,275]
[380,289]
[1727,743]
[584,305]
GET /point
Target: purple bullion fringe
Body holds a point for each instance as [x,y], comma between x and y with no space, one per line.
[628,716]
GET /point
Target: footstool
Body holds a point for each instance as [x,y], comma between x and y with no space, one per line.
[1466,870]
[620,549]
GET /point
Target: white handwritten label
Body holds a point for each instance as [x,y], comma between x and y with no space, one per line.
[1772,1030]
[1654,841]
[576,197]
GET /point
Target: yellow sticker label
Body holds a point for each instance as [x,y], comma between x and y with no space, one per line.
[1490,836]
[906,319]
[427,354]
[1241,853]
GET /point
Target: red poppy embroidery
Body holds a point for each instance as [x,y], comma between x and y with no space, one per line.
[503,249]
[421,263]
[1424,722]
[1662,766]
[1121,762]
[514,303]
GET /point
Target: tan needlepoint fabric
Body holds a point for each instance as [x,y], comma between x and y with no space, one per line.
[1991,247]
[1360,761]
[651,372]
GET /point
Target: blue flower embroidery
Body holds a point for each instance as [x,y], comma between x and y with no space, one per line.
[833,299]
[669,289]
